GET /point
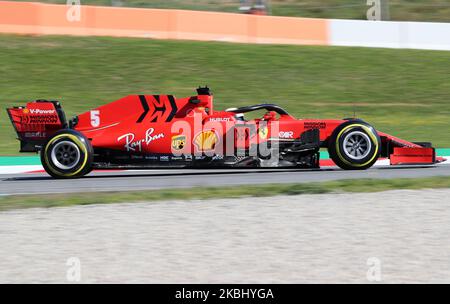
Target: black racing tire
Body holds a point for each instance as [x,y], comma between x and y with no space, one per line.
[67,154]
[354,145]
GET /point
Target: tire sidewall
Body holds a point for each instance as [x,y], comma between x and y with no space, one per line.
[336,145]
[84,163]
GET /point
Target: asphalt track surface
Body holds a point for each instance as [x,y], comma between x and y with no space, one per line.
[394,236]
[41,183]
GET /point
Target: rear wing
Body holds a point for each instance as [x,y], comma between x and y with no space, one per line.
[36,122]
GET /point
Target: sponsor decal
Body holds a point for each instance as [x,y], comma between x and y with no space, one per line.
[164,158]
[39,119]
[188,157]
[38,111]
[217,157]
[136,145]
[286,134]
[178,142]
[177,158]
[39,116]
[206,140]
[35,134]
[151,157]
[220,119]
[263,132]
[315,125]
[200,157]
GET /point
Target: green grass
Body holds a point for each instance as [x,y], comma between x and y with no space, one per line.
[360,185]
[404,92]
[401,10]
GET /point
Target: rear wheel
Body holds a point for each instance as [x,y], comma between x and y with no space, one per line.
[67,154]
[354,145]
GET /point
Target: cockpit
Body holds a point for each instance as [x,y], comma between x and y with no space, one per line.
[271,111]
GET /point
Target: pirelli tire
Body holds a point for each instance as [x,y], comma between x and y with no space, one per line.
[67,154]
[354,145]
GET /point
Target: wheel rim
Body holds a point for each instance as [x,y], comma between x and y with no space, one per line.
[357,145]
[65,155]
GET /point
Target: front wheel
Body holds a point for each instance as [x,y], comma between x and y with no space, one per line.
[67,154]
[354,145]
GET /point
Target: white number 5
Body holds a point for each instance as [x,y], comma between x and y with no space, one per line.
[95,118]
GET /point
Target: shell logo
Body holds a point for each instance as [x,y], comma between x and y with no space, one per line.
[206,140]
[26,111]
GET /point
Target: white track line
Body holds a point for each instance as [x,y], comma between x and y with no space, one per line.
[31,168]
[19,169]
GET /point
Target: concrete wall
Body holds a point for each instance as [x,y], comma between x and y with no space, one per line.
[51,19]
[416,35]
[45,19]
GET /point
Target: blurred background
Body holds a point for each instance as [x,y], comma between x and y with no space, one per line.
[399,10]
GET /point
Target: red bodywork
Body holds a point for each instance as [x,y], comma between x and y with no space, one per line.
[161,124]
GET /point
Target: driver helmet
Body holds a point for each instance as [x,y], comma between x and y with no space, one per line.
[239,116]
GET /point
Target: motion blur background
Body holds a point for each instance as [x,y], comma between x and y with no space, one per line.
[400,10]
[397,86]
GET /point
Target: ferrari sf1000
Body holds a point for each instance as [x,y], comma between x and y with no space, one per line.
[148,131]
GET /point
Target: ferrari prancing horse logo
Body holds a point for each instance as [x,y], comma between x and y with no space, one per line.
[263,132]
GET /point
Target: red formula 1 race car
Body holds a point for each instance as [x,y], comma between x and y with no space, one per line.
[148,131]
